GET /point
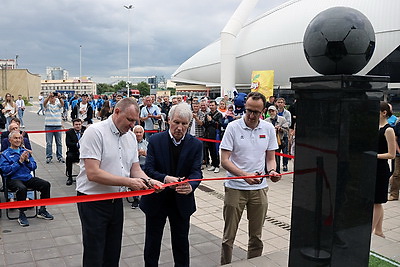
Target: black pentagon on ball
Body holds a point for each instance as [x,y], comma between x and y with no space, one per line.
[339,40]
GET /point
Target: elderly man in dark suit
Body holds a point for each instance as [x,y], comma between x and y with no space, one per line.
[182,156]
[72,137]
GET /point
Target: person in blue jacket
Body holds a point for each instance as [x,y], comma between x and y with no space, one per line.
[16,165]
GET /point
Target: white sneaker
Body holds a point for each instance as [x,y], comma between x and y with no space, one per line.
[211,169]
[216,170]
[23,126]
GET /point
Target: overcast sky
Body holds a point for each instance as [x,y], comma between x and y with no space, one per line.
[164,33]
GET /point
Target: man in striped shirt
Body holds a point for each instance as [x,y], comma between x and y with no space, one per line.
[54,108]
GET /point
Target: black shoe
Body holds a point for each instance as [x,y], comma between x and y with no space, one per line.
[61,160]
[44,214]
[23,221]
[135,203]
[69,181]
[285,169]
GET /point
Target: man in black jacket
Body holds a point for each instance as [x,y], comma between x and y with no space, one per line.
[83,111]
[211,124]
[72,137]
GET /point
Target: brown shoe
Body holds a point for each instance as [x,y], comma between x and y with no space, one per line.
[391,198]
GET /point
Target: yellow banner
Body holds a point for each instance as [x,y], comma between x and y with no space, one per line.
[262,81]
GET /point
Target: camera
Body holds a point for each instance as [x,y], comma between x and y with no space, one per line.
[55,94]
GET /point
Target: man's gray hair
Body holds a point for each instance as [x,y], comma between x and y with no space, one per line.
[138,127]
[182,110]
[124,103]
[12,133]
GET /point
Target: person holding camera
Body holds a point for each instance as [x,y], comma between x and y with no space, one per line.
[282,129]
[53,116]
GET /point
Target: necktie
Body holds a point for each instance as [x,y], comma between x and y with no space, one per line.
[78,134]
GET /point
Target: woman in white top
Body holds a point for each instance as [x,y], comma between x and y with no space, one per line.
[9,110]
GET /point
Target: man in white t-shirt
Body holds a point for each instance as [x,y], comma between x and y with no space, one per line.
[150,114]
[247,149]
[83,111]
[108,160]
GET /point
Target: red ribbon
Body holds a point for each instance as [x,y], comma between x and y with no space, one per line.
[97,197]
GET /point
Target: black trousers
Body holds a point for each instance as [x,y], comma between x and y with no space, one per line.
[179,237]
[71,158]
[102,223]
[213,153]
[35,183]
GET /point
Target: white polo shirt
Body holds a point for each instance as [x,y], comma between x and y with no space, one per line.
[248,147]
[102,141]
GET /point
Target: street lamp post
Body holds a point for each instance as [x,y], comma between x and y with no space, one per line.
[129,8]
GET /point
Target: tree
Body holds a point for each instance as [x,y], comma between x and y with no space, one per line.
[120,86]
[173,90]
[144,88]
[104,87]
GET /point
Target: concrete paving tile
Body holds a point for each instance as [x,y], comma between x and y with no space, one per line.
[73,261]
[202,260]
[131,251]
[132,261]
[67,240]
[12,258]
[71,249]
[59,262]
[21,246]
[25,264]
[46,253]
[42,243]
[62,231]
[206,248]
[12,237]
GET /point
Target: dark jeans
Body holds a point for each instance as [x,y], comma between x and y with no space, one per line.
[210,146]
[71,158]
[282,149]
[179,238]
[102,223]
[34,183]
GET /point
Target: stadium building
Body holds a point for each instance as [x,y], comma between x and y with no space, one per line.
[274,41]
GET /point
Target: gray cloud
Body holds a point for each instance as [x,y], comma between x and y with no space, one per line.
[163,33]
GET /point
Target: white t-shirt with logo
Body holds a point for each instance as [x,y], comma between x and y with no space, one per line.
[248,147]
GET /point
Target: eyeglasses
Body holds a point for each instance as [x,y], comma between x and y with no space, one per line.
[254,112]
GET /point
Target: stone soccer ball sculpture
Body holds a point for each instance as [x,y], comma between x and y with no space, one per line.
[339,40]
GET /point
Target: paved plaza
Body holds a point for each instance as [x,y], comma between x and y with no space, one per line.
[59,242]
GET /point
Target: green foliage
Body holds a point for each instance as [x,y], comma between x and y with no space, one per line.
[173,90]
[104,87]
[144,88]
[120,86]
[26,101]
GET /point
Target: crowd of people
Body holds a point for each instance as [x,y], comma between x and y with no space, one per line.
[137,134]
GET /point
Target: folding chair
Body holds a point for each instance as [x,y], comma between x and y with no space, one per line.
[8,193]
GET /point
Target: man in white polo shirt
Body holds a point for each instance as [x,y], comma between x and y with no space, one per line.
[247,149]
[108,160]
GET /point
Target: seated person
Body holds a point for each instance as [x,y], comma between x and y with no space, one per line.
[142,152]
[72,137]
[4,135]
[5,143]
[16,165]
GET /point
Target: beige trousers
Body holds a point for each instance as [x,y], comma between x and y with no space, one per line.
[256,203]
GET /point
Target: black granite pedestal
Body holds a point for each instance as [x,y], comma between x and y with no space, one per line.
[335,166]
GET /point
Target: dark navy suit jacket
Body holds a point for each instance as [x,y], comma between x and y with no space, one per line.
[158,165]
